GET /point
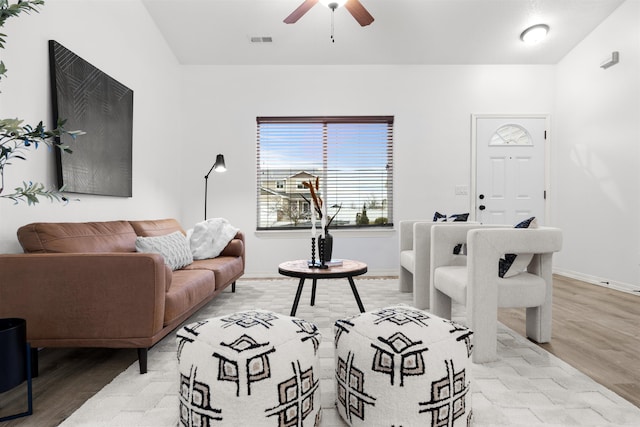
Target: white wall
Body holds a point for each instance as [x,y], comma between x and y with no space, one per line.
[180,125]
[597,153]
[119,38]
[432,106]
[184,116]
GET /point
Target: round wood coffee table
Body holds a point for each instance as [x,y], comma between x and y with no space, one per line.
[301,270]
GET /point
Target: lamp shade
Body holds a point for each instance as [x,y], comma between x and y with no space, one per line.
[219,165]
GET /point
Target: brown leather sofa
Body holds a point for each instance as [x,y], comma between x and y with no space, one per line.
[84,284]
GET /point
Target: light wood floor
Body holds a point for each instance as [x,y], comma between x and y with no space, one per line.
[595,329]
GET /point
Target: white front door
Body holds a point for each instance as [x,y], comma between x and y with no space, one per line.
[509,156]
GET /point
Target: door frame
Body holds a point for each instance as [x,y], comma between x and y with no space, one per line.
[473,193]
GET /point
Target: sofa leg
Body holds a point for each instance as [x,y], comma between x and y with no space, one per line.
[142,360]
[233,287]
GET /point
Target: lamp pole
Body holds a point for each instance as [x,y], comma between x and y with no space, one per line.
[218,166]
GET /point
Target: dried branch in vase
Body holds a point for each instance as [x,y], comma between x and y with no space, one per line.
[316,201]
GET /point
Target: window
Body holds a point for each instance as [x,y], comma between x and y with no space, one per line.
[511,135]
[351,156]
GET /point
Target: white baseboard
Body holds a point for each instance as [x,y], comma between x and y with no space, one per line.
[600,281]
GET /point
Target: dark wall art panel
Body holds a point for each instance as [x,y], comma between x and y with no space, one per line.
[92,101]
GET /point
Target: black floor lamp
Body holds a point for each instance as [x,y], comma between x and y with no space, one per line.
[218,166]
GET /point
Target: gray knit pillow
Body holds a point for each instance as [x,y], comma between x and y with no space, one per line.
[173,247]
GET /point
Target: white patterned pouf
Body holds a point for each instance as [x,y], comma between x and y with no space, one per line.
[400,366]
[251,368]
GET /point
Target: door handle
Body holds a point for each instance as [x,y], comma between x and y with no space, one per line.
[482,207]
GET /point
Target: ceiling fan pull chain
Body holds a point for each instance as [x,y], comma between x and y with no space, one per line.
[333,40]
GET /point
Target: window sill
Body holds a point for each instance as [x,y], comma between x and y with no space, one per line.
[297,234]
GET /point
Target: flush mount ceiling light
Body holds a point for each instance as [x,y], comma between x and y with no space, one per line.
[534,34]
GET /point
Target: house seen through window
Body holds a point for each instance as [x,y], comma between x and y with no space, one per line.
[351,156]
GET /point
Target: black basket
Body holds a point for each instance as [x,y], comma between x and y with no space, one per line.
[15,359]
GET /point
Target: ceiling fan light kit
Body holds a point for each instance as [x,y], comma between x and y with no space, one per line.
[333,4]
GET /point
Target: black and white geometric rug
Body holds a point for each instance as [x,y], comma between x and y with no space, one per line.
[526,386]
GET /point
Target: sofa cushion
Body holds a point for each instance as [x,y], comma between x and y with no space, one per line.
[156,227]
[173,247]
[67,237]
[226,269]
[188,288]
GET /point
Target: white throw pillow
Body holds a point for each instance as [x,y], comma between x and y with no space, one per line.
[173,247]
[209,238]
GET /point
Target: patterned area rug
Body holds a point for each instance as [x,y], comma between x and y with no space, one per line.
[526,386]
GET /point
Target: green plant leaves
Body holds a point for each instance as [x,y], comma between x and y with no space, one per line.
[31,193]
[17,138]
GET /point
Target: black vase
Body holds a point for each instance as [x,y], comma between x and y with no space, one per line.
[328,246]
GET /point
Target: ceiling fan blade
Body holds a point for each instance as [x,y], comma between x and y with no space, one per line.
[358,11]
[301,10]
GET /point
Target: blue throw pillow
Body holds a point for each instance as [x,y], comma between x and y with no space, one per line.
[438,217]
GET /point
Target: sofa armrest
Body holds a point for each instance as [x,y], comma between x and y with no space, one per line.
[235,247]
[84,296]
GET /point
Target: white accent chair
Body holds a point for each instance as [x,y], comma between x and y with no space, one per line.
[415,259]
[479,288]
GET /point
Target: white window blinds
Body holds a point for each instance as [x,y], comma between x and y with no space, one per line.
[351,156]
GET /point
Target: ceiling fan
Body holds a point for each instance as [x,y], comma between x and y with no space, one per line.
[354,7]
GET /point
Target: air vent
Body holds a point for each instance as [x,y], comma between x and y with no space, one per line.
[267,39]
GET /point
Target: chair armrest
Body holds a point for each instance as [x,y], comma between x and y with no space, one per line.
[84,295]
[422,238]
[444,238]
[500,241]
[406,235]
[416,235]
[487,246]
